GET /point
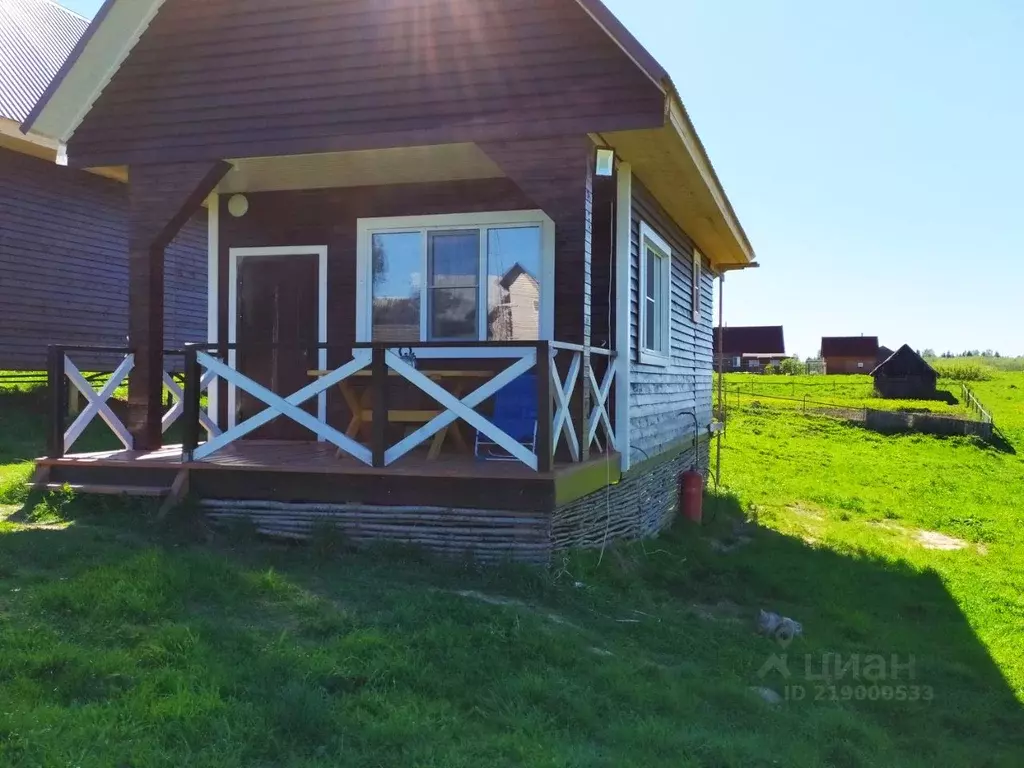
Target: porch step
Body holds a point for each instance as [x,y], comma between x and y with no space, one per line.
[153,491]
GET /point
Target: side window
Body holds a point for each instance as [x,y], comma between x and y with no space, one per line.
[655,297]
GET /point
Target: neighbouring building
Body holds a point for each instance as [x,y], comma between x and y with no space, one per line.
[749,348]
[418,210]
[905,375]
[64,231]
[849,354]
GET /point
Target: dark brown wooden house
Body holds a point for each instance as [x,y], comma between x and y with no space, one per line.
[372,171]
[849,354]
[905,375]
[749,348]
[64,231]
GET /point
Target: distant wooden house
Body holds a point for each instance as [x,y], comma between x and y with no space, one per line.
[849,354]
[884,353]
[906,375]
[749,348]
[64,231]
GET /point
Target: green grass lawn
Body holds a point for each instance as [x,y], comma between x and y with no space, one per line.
[128,643]
[818,392]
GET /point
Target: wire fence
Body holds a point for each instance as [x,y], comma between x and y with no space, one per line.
[975,405]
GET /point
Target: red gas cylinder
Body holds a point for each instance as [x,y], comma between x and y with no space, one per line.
[691,495]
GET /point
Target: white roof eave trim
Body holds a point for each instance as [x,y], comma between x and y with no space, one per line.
[108,43]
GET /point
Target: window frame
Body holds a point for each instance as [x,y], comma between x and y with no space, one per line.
[663,355]
[366,228]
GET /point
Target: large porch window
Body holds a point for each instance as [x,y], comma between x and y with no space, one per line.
[463,277]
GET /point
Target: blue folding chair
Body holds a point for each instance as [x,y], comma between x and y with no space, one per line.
[515,414]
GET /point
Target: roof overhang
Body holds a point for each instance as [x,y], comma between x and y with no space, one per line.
[670,160]
[93,62]
[32,144]
[672,163]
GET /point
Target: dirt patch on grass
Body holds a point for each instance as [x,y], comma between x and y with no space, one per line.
[931,539]
[936,540]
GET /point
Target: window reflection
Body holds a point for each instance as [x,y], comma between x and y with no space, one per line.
[397,279]
[513,283]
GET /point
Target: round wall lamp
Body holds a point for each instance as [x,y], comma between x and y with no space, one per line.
[238,205]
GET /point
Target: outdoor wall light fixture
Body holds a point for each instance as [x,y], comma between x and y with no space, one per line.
[605,165]
[238,205]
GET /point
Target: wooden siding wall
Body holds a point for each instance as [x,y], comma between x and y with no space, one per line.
[848,365]
[328,217]
[64,264]
[659,394]
[214,79]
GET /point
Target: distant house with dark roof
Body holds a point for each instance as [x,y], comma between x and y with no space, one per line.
[749,348]
[884,353]
[905,374]
[849,354]
[64,232]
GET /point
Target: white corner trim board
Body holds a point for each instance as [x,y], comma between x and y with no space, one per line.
[623,335]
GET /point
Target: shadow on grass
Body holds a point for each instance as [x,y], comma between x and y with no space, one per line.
[284,651]
[872,625]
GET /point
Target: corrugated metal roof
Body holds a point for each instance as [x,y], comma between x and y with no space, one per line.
[36,37]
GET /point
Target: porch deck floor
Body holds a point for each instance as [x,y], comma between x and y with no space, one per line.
[293,456]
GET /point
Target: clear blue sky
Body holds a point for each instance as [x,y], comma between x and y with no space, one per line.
[874,152]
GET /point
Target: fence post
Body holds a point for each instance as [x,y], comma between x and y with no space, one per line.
[379,379]
[57,384]
[190,411]
[545,442]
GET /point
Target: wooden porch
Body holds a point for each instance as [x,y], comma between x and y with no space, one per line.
[313,472]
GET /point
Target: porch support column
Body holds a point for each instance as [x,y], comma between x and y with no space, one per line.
[557,173]
[161,199]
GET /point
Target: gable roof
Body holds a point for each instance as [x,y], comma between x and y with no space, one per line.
[751,339]
[36,37]
[903,362]
[849,346]
[669,158]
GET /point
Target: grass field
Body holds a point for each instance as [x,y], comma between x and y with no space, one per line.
[126,643]
[821,392]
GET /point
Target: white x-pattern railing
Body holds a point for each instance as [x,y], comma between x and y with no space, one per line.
[563,390]
[523,359]
[96,402]
[464,408]
[178,405]
[284,406]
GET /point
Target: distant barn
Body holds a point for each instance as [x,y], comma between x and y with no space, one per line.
[749,348]
[905,375]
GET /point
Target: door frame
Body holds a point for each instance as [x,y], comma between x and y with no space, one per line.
[237,254]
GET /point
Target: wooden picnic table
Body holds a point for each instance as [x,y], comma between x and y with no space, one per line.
[360,403]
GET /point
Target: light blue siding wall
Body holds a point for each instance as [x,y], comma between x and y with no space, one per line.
[659,395]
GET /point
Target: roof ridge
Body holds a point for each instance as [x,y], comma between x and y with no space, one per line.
[67,10]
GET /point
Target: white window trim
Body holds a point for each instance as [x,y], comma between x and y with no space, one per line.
[660,357]
[695,278]
[366,228]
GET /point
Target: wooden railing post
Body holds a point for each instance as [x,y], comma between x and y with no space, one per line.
[545,443]
[57,384]
[192,394]
[379,379]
